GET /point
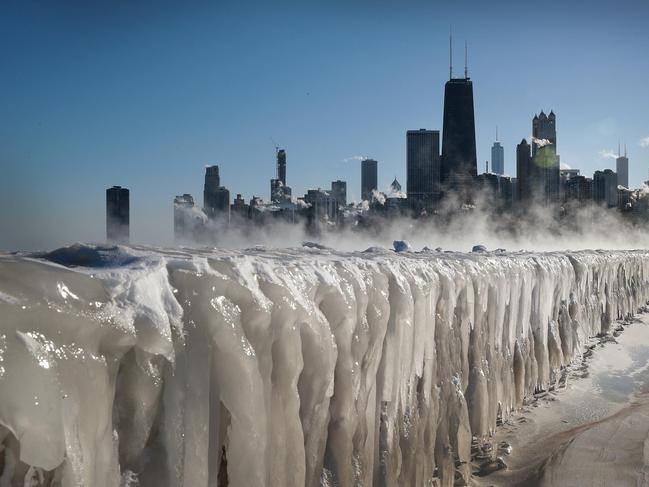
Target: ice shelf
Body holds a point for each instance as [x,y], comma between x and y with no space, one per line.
[295,367]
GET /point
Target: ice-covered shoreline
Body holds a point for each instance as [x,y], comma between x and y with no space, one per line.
[285,367]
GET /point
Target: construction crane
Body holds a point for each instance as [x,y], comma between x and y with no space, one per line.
[275,144]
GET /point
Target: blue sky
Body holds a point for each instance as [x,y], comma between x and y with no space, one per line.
[144,94]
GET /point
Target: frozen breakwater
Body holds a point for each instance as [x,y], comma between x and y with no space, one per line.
[296,367]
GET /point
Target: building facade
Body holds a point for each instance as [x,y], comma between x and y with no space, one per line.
[544,155]
[323,206]
[279,191]
[497,159]
[459,165]
[281,166]
[183,217]
[578,191]
[117,214]
[239,208]
[605,188]
[339,192]
[422,165]
[369,178]
[622,169]
[527,174]
[216,198]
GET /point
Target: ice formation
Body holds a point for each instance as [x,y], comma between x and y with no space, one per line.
[296,367]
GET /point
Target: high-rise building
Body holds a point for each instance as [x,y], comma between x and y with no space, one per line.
[339,192]
[279,192]
[527,174]
[281,166]
[239,207]
[323,206]
[369,178]
[544,154]
[565,175]
[497,157]
[605,188]
[422,164]
[183,217]
[622,168]
[216,198]
[488,183]
[212,180]
[459,165]
[117,214]
[544,130]
[507,189]
[578,191]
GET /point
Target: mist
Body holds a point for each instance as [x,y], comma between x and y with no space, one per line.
[453,228]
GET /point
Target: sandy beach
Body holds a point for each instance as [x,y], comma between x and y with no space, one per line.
[592,432]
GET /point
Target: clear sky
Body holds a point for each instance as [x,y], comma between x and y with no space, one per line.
[144,94]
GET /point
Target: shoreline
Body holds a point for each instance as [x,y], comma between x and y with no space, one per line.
[592,430]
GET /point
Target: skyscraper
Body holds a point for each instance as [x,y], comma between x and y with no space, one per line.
[183,217]
[117,214]
[497,157]
[279,192]
[212,181]
[459,165]
[422,164]
[369,178]
[216,198]
[281,166]
[622,168]
[339,192]
[544,129]
[544,154]
[527,174]
[605,188]
[578,191]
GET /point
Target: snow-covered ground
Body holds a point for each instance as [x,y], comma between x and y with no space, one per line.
[284,367]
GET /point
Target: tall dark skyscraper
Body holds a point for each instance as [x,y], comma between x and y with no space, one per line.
[422,164]
[605,188]
[281,166]
[212,181]
[117,214]
[527,175]
[339,192]
[459,165]
[216,198]
[369,178]
[544,154]
[279,192]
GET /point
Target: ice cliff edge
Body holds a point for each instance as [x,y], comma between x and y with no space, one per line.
[283,367]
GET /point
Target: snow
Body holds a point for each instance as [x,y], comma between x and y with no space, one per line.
[307,366]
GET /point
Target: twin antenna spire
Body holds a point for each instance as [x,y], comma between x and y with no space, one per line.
[450,57]
[619,153]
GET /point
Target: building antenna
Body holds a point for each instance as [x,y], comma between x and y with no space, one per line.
[450,52]
[625,149]
[618,148]
[496,133]
[466,61]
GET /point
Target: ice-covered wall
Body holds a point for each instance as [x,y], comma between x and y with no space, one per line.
[301,367]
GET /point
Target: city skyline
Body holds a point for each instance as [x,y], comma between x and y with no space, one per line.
[60,133]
